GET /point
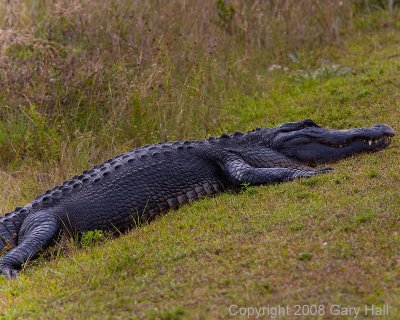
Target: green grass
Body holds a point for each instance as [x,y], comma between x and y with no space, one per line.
[332,239]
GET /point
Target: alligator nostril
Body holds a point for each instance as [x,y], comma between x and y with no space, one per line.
[385,129]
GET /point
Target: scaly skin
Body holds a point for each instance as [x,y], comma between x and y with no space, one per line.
[143,182]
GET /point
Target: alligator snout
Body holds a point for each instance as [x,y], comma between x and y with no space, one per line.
[385,129]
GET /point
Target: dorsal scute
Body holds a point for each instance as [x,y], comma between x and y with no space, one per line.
[17,215]
[224,136]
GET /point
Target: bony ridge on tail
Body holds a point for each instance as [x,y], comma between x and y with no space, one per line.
[143,182]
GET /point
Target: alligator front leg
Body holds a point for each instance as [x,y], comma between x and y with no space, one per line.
[240,172]
[37,232]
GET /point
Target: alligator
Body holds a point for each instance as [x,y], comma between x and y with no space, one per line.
[136,186]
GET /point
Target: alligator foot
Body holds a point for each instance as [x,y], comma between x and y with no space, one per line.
[9,273]
[241,172]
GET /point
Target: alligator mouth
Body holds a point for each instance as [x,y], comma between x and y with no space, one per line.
[316,145]
[376,143]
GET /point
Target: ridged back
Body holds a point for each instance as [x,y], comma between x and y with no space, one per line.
[98,173]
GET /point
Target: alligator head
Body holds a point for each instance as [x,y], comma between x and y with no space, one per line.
[307,142]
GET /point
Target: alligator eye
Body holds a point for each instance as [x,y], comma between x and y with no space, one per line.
[309,123]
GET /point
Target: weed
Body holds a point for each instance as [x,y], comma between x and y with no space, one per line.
[90,238]
[373,173]
[323,72]
[305,256]
[245,186]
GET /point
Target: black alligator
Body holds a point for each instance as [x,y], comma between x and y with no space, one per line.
[135,186]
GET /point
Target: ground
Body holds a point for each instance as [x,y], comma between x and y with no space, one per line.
[329,240]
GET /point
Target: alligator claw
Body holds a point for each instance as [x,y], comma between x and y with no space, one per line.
[9,273]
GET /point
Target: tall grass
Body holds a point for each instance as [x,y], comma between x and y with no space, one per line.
[113,73]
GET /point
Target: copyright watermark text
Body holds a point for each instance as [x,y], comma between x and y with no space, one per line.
[317,310]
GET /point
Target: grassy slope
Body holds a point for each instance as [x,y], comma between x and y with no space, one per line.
[332,239]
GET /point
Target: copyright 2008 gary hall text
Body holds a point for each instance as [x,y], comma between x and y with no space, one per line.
[317,310]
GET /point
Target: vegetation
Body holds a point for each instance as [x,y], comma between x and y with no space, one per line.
[83,80]
[73,71]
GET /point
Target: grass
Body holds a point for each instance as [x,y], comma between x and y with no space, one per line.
[331,239]
[66,81]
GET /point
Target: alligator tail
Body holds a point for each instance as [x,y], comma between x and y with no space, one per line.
[9,229]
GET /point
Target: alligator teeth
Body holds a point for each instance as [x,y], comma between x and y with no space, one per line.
[340,146]
[376,141]
[370,142]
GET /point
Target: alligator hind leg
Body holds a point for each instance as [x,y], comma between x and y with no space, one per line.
[37,232]
[240,172]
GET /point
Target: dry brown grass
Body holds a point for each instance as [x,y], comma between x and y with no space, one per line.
[88,65]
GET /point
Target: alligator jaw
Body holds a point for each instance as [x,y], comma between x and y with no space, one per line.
[368,143]
[315,145]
